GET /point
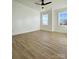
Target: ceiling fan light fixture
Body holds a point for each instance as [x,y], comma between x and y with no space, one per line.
[42,7]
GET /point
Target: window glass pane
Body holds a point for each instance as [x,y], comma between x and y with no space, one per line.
[62,18]
[45,19]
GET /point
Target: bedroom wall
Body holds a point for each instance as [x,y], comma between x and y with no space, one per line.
[55,26]
[24,19]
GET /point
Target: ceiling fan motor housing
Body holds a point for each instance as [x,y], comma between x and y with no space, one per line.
[43,4]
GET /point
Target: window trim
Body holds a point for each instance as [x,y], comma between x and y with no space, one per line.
[42,19]
[57,11]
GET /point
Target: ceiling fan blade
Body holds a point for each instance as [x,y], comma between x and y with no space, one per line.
[47,3]
[42,1]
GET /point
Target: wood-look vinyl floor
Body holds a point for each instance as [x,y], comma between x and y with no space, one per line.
[40,45]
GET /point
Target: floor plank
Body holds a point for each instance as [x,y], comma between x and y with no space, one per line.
[40,45]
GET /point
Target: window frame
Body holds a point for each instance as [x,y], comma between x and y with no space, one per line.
[57,11]
[59,19]
[47,18]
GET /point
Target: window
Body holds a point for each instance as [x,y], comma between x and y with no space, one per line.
[62,18]
[45,19]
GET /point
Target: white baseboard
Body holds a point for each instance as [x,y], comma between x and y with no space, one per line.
[24,32]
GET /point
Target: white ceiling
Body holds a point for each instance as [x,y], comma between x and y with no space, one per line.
[30,3]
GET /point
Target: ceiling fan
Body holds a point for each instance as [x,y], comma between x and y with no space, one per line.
[43,4]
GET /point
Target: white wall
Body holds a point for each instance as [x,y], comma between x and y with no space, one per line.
[55,26]
[24,19]
[53,21]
